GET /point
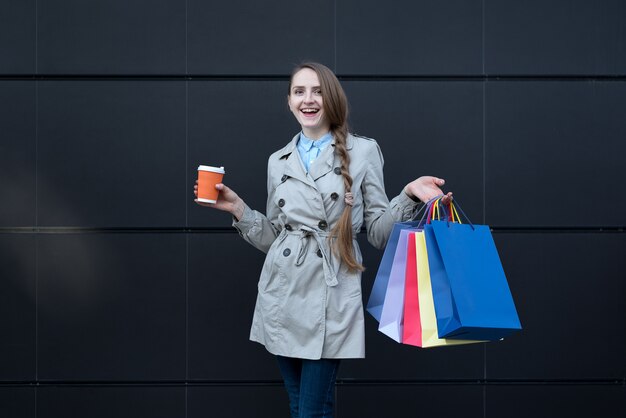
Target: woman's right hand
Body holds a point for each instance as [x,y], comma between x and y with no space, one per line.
[426,188]
[227,200]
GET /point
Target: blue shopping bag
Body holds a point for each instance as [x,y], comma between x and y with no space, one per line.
[470,290]
[377,296]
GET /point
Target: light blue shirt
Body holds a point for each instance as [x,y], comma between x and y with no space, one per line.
[309,149]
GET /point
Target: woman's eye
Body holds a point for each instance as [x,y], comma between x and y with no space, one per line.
[298,92]
[317,92]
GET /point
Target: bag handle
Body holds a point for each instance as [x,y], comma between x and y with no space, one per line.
[453,215]
[435,211]
[453,205]
[428,208]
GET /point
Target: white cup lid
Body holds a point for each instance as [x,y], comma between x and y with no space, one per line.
[211,168]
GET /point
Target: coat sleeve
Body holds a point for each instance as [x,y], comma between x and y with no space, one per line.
[256,228]
[379,214]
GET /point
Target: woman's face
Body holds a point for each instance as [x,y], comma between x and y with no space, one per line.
[306,103]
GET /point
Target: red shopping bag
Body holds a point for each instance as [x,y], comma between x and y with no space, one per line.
[412,332]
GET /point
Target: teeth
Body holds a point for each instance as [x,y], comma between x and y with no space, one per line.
[309,110]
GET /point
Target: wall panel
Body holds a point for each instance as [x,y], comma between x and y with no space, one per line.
[555,401]
[558,37]
[409,37]
[17,153]
[444,401]
[111,153]
[17,37]
[100,37]
[111,307]
[113,401]
[17,306]
[552,149]
[243,37]
[17,402]
[254,401]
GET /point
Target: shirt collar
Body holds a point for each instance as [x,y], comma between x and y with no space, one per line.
[307,143]
[288,149]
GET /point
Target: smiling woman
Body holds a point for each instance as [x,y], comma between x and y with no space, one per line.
[309,309]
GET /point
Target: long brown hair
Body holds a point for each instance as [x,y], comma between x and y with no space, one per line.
[335,105]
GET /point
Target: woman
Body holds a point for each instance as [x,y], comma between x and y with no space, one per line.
[322,187]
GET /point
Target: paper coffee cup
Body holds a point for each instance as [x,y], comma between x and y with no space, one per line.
[208,177]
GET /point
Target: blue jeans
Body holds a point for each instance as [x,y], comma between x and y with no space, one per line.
[310,385]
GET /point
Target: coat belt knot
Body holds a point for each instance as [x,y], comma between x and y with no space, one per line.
[330,275]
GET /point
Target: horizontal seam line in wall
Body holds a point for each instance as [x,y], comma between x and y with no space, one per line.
[340,382]
[285,77]
[201,230]
[123,230]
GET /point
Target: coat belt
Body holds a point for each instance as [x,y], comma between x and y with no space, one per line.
[305,233]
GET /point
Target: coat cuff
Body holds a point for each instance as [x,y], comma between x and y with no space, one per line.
[245,224]
[406,205]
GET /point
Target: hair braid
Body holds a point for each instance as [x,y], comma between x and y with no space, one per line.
[343,229]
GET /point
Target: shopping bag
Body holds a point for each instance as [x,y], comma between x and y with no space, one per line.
[428,320]
[470,291]
[377,296]
[391,317]
[412,328]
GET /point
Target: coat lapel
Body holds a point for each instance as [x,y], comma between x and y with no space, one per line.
[328,160]
[323,164]
[293,165]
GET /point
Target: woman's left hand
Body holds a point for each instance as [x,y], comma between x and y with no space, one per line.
[426,188]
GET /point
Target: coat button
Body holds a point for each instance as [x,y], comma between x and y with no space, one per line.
[286,252]
[288,227]
[281,202]
[319,253]
[322,224]
[284,178]
[337,170]
[334,196]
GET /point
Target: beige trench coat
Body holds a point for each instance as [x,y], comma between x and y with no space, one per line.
[308,305]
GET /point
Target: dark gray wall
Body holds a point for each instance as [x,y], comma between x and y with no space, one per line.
[119,297]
